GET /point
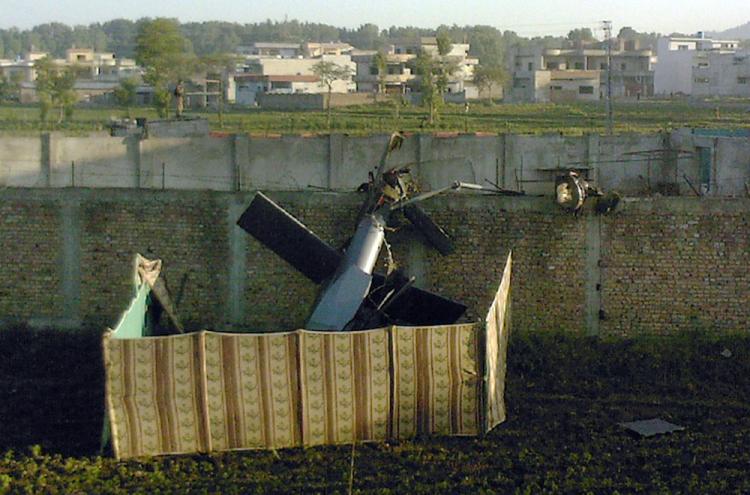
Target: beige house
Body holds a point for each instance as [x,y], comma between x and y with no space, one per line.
[632,71]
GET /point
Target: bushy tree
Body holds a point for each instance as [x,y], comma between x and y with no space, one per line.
[125,94]
[580,34]
[54,87]
[488,76]
[163,52]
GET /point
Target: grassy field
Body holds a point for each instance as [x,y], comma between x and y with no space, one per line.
[572,119]
[565,396]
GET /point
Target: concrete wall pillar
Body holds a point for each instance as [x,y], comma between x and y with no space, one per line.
[424,153]
[46,167]
[591,156]
[240,159]
[70,261]
[236,264]
[335,160]
[592,272]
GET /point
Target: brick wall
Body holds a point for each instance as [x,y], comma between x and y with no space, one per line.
[664,265]
[31,245]
[676,264]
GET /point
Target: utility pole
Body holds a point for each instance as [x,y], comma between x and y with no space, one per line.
[607,26]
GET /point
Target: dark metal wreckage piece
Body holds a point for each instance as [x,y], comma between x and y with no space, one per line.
[354,297]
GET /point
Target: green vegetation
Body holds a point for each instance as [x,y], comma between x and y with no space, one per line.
[571,119]
[55,89]
[565,396]
[163,52]
[329,73]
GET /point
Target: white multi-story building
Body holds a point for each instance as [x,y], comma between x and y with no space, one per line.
[400,76]
[678,56]
[722,74]
[580,73]
[288,76]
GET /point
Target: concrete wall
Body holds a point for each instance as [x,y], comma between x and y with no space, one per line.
[653,266]
[633,164]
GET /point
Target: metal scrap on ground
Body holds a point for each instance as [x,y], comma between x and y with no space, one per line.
[651,427]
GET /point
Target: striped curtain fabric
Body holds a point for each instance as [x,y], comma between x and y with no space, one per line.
[217,391]
[154,395]
[252,390]
[436,381]
[345,386]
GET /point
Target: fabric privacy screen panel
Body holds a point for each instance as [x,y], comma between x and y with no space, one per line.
[212,391]
[252,390]
[437,382]
[155,395]
[345,386]
[497,329]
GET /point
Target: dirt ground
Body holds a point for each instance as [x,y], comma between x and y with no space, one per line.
[566,396]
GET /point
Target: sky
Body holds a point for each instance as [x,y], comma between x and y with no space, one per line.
[526,17]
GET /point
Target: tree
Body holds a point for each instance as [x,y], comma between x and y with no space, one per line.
[444,67]
[444,43]
[54,87]
[431,96]
[162,51]
[329,72]
[580,34]
[380,63]
[10,88]
[125,95]
[487,76]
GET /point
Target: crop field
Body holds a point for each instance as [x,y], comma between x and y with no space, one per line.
[569,119]
[566,395]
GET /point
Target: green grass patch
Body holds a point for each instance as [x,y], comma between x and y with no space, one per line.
[645,116]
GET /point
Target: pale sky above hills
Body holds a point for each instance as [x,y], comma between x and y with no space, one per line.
[527,18]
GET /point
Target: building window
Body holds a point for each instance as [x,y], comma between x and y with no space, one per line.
[603,66]
[579,65]
[682,47]
[623,66]
[531,65]
[701,80]
[742,80]
[556,88]
[585,90]
[374,71]
[553,65]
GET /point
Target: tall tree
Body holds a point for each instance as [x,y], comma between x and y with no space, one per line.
[380,63]
[428,85]
[488,76]
[329,72]
[163,52]
[54,87]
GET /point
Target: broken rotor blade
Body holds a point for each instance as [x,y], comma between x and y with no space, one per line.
[432,231]
[289,238]
[420,307]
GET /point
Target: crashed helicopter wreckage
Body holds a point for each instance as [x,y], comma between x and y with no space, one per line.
[357,373]
[353,296]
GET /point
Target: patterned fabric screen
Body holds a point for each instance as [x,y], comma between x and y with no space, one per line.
[218,391]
